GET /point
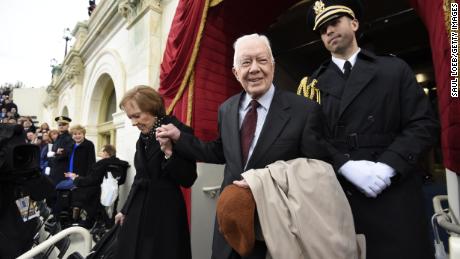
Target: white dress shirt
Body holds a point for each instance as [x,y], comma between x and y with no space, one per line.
[264,105]
[340,62]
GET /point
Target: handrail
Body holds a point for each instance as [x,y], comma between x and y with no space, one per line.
[211,191]
[56,238]
[444,220]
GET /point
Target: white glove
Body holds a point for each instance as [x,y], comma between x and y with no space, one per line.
[47,170]
[360,173]
[50,154]
[384,172]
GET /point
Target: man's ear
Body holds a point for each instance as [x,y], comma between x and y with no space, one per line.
[235,73]
[355,25]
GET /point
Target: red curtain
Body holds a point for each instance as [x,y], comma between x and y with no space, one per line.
[435,15]
[175,67]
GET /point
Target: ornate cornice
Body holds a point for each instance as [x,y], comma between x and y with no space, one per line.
[73,70]
[51,97]
[133,10]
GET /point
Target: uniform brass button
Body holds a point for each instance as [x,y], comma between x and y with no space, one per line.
[370,118]
[346,155]
[410,157]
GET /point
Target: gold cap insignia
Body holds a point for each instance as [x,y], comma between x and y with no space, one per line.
[318,7]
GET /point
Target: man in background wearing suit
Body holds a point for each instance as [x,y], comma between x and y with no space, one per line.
[258,126]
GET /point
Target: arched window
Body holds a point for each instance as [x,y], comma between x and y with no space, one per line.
[105,127]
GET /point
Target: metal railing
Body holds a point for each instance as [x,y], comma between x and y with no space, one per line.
[87,241]
[445,219]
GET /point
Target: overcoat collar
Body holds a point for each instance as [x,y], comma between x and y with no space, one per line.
[362,73]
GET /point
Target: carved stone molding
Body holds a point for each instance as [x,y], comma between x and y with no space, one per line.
[132,9]
[51,97]
[126,8]
[73,71]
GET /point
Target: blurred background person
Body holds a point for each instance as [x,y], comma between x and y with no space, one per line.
[90,186]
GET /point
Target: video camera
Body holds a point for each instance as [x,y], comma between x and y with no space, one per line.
[20,163]
[18,160]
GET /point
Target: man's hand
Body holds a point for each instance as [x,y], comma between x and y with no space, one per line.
[241,183]
[168,131]
[384,172]
[165,146]
[361,174]
[71,175]
[120,218]
[50,154]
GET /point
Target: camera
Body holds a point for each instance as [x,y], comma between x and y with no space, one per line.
[18,160]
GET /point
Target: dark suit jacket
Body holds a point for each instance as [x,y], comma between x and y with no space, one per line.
[381,114]
[292,128]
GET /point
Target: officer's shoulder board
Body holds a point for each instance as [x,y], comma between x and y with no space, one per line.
[308,89]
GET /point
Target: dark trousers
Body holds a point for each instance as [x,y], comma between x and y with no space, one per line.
[259,252]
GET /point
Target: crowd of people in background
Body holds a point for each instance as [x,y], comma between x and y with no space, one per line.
[65,154]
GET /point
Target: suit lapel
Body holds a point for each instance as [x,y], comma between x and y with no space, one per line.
[361,74]
[276,119]
[233,126]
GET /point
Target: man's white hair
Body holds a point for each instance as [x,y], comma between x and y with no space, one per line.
[253,36]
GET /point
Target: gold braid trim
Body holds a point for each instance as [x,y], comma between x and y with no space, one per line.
[191,64]
[309,90]
[447,18]
[446,9]
[191,88]
[215,2]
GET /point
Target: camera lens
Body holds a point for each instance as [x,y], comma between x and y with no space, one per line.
[24,157]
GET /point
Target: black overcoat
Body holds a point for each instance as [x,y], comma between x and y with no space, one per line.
[58,164]
[83,160]
[99,170]
[156,218]
[381,114]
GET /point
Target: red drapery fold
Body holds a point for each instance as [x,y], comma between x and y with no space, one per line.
[179,48]
[177,63]
[435,15]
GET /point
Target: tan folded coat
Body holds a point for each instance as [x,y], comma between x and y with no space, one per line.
[303,211]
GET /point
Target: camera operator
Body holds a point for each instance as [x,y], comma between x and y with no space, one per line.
[21,184]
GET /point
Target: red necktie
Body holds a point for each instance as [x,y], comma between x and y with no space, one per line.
[248,129]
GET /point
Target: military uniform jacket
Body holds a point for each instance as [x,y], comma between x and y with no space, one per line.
[380,114]
[59,163]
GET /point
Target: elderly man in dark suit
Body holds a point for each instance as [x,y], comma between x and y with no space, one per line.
[380,122]
[258,126]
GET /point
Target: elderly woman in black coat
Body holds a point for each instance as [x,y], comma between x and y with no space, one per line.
[154,218]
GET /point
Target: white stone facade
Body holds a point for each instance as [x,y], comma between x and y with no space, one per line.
[119,47]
